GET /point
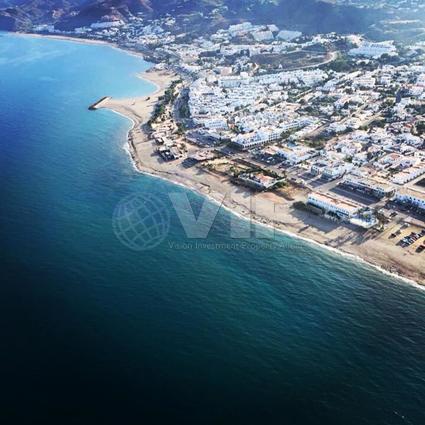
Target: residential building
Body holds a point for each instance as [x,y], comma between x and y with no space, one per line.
[409,174]
[412,197]
[375,187]
[331,203]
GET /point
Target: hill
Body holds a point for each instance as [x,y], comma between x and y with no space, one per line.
[310,16]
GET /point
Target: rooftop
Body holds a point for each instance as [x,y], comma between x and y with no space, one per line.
[337,201]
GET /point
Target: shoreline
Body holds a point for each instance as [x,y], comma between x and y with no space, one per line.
[141,151]
[143,159]
[284,232]
[80,40]
[65,38]
[138,110]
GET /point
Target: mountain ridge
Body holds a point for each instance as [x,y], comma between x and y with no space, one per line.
[311,16]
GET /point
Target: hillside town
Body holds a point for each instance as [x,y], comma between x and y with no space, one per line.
[336,120]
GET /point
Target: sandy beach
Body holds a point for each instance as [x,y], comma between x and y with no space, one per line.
[271,209]
[139,109]
[66,38]
[80,40]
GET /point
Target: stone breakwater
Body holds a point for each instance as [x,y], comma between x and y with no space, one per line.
[98,104]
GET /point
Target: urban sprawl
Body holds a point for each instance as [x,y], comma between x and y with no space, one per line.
[337,120]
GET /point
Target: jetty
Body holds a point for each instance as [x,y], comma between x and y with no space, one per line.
[98,104]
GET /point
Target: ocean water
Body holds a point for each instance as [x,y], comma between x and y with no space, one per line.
[274,331]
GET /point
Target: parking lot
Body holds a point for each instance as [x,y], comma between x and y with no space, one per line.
[408,237]
[356,196]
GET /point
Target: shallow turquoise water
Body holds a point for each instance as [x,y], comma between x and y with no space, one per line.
[276,332]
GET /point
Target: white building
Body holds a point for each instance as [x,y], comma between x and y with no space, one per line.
[213,123]
[409,174]
[335,170]
[231,82]
[411,197]
[296,154]
[289,35]
[365,81]
[240,29]
[318,166]
[379,188]
[273,28]
[44,28]
[263,36]
[411,140]
[375,50]
[256,138]
[331,203]
[360,159]
[108,24]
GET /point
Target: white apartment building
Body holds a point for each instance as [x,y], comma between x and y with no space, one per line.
[331,203]
[334,170]
[240,29]
[296,154]
[397,160]
[257,138]
[376,187]
[213,123]
[288,35]
[318,166]
[109,24]
[365,81]
[411,140]
[374,50]
[263,36]
[231,82]
[360,159]
[411,197]
[409,174]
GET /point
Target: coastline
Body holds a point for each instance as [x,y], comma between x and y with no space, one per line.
[66,38]
[139,110]
[343,240]
[378,253]
[80,40]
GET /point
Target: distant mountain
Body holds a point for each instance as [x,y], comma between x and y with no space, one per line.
[308,15]
[96,10]
[22,14]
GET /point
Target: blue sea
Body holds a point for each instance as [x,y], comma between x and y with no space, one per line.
[272,331]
